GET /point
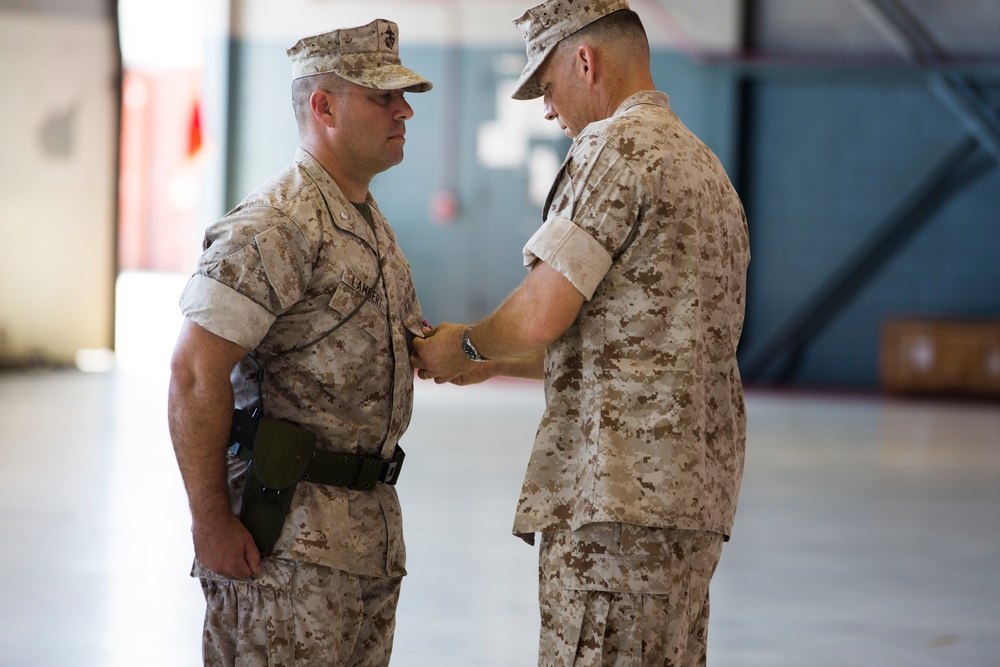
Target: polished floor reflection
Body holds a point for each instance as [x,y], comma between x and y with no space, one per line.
[868,532]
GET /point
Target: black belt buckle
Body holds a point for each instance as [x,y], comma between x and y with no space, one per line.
[392,467]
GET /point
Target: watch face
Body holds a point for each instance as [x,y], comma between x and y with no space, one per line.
[470,351]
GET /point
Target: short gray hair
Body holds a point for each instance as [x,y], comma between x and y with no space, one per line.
[302,90]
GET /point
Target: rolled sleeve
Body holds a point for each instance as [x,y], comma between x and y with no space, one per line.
[571,251]
[225,312]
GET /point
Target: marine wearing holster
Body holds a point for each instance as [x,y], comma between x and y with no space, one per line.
[281,454]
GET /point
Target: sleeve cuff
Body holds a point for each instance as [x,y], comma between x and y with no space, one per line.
[571,251]
[224,311]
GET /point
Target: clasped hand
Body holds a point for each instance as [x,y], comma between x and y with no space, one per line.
[439,357]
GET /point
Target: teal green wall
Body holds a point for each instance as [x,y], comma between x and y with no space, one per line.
[831,154]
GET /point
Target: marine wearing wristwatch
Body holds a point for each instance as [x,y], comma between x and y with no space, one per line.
[470,350]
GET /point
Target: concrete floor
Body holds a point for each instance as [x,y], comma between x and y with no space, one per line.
[868,532]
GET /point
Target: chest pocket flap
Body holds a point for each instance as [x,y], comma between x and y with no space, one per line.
[361,302]
[282,267]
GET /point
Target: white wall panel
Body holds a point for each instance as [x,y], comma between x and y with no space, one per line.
[57,185]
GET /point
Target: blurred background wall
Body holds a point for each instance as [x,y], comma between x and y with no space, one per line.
[59,83]
[862,135]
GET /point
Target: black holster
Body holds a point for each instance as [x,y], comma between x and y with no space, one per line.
[281,452]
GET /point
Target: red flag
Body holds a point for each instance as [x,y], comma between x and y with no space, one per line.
[194,129]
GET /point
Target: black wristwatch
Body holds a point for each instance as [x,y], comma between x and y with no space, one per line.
[470,350]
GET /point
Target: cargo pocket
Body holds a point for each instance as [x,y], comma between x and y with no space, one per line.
[592,559]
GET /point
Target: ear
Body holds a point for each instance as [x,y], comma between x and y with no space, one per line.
[586,63]
[322,104]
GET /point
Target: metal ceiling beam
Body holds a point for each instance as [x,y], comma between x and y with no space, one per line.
[970,159]
[956,92]
[963,100]
[902,30]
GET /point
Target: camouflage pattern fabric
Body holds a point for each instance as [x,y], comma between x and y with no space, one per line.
[644,421]
[625,596]
[276,273]
[302,615]
[367,55]
[545,25]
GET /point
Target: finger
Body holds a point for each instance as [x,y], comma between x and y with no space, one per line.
[243,568]
[253,558]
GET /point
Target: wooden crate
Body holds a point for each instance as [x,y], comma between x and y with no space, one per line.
[946,357]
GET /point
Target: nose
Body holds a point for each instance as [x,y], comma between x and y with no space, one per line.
[550,112]
[403,109]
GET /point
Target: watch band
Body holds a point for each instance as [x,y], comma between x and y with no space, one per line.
[470,350]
